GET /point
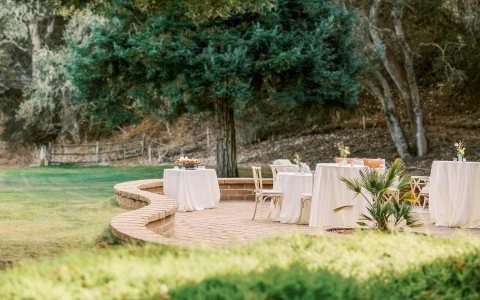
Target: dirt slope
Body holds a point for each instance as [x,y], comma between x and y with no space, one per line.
[363,129]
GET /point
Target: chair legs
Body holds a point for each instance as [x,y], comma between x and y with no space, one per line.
[303,200]
[262,203]
[425,201]
[255,211]
[276,200]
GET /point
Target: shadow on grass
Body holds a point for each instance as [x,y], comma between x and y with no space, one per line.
[296,282]
[107,239]
[452,278]
[113,202]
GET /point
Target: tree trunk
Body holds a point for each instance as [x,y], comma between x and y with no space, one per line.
[414,97]
[226,143]
[384,95]
[403,75]
[36,43]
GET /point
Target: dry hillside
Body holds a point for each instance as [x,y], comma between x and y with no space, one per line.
[363,129]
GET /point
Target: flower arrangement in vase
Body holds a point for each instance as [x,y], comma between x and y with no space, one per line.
[460,150]
[298,162]
[187,163]
[344,151]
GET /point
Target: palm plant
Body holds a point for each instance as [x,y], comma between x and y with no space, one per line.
[386,210]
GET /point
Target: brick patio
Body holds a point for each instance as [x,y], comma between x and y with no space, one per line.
[154,218]
[232,221]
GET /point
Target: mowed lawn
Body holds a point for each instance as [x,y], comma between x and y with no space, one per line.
[46,211]
[60,217]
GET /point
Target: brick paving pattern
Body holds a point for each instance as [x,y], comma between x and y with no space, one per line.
[232,221]
[154,219]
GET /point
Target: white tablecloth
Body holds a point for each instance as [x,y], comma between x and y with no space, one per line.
[293,185]
[455,194]
[193,189]
[329,192]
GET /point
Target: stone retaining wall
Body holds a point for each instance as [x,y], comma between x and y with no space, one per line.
[230,188]
[154,216]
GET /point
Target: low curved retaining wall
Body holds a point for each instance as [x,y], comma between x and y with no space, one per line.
[153,217]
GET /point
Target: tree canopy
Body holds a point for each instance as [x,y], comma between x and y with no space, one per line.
[296,52]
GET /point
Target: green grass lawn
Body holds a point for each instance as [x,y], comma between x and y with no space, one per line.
[362,266]
[53,224]
[47,211]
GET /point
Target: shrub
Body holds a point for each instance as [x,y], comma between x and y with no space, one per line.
[387,210]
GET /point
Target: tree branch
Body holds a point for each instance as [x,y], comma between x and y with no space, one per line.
[5,41]
[449,69]
[51,22]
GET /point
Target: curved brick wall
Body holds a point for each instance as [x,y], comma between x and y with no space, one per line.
[153,217]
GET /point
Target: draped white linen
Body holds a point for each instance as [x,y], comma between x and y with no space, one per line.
[292,185]
[455,194]
[329,192]
[193,189]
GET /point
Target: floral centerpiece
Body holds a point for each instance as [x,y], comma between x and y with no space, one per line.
[187,163]
[344,151]
[460,150]
[298,162]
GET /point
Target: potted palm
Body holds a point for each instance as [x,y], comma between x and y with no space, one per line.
[388,196]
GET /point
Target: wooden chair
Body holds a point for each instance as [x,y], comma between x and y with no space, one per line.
[391,193]
[425,193]
[373,163]
[340,159]
[306,168]
[283,162]
[305,198]
[262,194]
[417,183]
[281,168]
[274,173]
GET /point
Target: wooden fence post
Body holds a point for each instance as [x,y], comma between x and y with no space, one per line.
[142,143]
[149,154]
[41,159]
[49,153]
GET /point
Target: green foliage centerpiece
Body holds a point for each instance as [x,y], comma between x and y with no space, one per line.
[460,150]
[298,162]
[344,152]
[386,211]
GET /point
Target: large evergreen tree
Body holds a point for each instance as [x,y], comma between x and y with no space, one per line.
[297,52]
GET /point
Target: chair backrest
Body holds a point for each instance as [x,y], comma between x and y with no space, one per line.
[257,178]
[418,182]
[340,159]
[282,168]
[274,173]
[373,163]
[306,168]
[357,162]
[282,162]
